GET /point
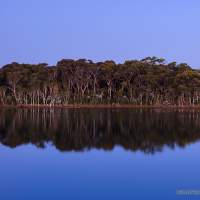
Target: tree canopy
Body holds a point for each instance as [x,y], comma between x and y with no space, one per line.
[150,81]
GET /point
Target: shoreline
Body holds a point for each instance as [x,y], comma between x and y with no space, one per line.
[103,106]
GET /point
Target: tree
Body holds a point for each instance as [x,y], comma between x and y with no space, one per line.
[150,81]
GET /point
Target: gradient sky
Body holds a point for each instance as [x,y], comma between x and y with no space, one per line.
[33,31]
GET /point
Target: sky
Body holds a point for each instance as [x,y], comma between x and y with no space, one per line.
[37,31]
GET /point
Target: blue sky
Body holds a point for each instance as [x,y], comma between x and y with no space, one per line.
[34,31]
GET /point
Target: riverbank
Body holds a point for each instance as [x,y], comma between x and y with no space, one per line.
[92,106]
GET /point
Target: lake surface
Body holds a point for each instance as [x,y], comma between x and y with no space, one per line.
[99,154]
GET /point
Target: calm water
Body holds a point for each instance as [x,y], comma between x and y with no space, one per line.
[98,154]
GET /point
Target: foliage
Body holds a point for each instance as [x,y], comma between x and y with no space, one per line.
[149,81]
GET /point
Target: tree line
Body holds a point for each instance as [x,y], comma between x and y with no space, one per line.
[150,81]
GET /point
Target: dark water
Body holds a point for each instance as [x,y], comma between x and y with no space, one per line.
[98,154]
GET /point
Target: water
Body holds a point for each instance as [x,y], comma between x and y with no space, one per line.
[98,153]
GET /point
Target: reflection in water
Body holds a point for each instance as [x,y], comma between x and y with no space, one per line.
[81,129]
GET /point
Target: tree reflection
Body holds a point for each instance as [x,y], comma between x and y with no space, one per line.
[82,129]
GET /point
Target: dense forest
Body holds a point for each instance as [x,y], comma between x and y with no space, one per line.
[150,81]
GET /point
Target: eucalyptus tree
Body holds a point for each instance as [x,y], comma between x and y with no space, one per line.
[150,81]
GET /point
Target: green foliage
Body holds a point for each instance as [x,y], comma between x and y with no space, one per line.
[149,81]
